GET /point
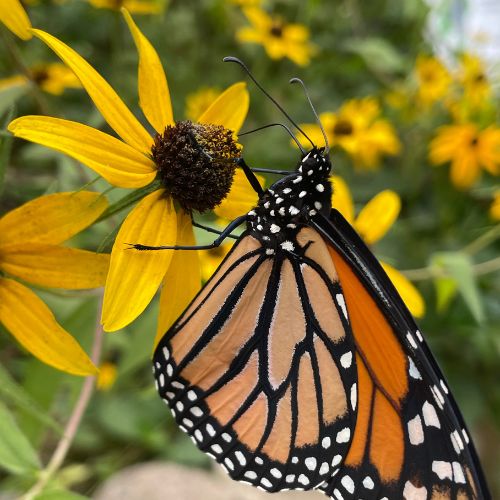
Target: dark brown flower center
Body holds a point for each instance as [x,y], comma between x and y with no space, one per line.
[474,141]
[196,163]
[39,75]
[277,30]
[480,78]
[343,127]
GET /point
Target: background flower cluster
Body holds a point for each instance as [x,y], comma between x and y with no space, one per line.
[416,153]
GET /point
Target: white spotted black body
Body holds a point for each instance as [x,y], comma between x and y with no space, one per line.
[291,202]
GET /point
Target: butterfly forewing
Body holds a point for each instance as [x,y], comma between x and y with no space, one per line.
[409,441]
[260,370]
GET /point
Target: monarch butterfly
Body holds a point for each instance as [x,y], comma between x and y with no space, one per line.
[298,365]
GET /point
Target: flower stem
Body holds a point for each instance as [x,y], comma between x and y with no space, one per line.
[483,241]
[427,273]
[64,444]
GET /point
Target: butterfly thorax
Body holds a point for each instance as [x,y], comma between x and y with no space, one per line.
[291,202]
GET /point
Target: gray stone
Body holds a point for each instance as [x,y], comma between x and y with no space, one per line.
[167,481]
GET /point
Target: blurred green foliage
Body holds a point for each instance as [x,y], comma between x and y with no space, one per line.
[366,49]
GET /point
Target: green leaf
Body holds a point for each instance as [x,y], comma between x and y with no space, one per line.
[10,95]
[459,267]
[16,452]
[60,495]
[446,289]
[378,54]
[15,394]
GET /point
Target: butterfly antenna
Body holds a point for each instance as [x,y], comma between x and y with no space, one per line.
[298,80]
[290,133]
[263,90]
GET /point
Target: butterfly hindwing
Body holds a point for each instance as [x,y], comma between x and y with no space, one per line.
[260,369]
[410,440]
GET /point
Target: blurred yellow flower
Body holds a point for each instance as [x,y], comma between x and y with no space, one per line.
[199,101]
[477,88]
[372,223]
[211,259]
[495,206]
[278,38]
[107,375]
[13,15]
[247,3]
[433,79]
[468,149]
[31,251]
[53,78]
[358,129]
[135,276]
[133,6]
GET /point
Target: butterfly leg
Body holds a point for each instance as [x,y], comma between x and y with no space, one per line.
[211,229]
[223,235]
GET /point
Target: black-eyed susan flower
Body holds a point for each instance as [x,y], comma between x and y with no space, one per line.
[31,251]
[372,223]
[133,6]
[13,15]
[433,79]
[279,38]
[193,162]
[53,78]
[472,75]
[358,129]
[197,102]
[468,149]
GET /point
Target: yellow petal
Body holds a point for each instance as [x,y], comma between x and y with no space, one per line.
[51,219]
[14,81]
[183,278]
[134,276]
[229,109]
[120,164]
[241,199]
[107,376]
[378,215]
[410,295]
[342,199]
[211,259]
[154,96]
[54,266]
[114,110]
[13,15]
[35,328]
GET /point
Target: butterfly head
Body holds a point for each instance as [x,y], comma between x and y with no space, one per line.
[316,163]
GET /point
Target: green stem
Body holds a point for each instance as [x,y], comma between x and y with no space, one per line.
[427,273]
[128,200]
[483,241]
